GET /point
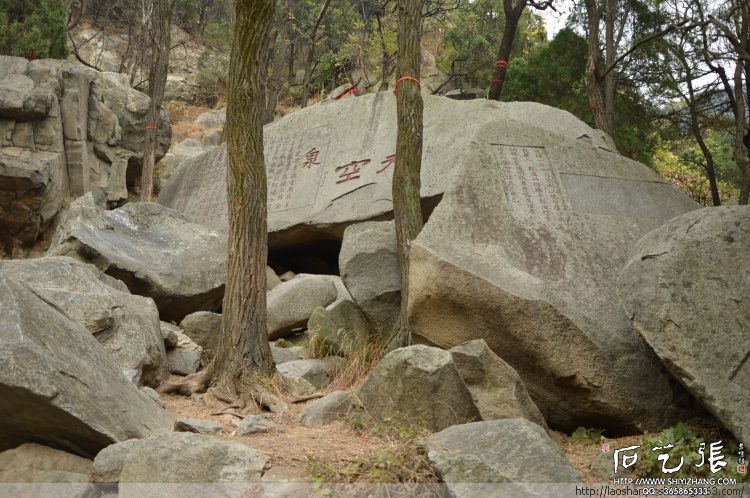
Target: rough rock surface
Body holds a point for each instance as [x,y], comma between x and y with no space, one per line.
[109,462]
[203,328]
[283,355]
[421,385]
[369,267]
[319,185]
[471,457]
[687,289]
[521,252]
[256,424]
[342,329]
[183,457]
[496,388]
[59,386]
[180,265]
[326,410]
[65,129]
[197,426]
[291,303]
[184,357]
[126,325]
[306,376]
[32,457]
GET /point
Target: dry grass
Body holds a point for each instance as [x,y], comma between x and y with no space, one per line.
[183,118]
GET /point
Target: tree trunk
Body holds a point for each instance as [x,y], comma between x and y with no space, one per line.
[593,80]
[609,59]
[385,65]
[243,352]
[161,44]
[512,16]
[407,209]
[311,52]
[740,152]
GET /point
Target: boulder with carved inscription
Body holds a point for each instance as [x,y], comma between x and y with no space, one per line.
[523,251]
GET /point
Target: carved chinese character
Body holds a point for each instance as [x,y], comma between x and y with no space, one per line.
[390,160]
[311,158]
[350,171]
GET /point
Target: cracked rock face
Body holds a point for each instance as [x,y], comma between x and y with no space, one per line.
[58,386]
[687,289]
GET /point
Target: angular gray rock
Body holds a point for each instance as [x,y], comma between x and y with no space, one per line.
[65,130]
[32,457]
[203,328]
[180,265]
[326,410]
[291,303]
[125,324]
[154,396]
[473,458]
[342,330]
[198,426]
[306,376]
[183,457]
[256,424]
[184,357]
[418,385]
[521,252]
[687,289]
[283,355]
[497,389]
[369,267]
[109,462]
[59,386]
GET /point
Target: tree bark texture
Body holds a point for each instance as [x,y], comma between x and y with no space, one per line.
[161,44]
[407,209]
[512,16]
[310,61]
[594,89]
[243,352]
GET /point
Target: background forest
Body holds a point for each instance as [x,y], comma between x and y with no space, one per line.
[667,78]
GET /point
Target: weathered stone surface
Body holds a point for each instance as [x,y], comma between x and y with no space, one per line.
[65,130]
[420,385]
[271,279]
[184,357]
[687,289]
[369,267]
[183,457]
[318,185]
[197,426]
[158,254]
[326,410]
[168,333]
[213,119]
[306,375]
[256,424]
[521,251]
[342,329]
[283,355]
[204,328]
[32,457]
[109,462]
[59,386]
[291,303]
[513,451]
[153,395]
[126,325]
[496,388]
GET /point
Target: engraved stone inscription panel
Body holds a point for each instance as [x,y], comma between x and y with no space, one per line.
[293,165]
[530,184]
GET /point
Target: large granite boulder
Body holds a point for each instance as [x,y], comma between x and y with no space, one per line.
[418,385]
[126,325]
[687,289]
[318,185]
[521,252]
[34,463]
[290,304]
[59,386]
[508,457]
[369,266]
[495,387]
[203,328]
[65,129]
[184,458]
[153,249]
[342,330]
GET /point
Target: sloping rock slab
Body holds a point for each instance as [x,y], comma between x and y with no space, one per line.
[126,325]
[687,288]
[154,250]
[59,386]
